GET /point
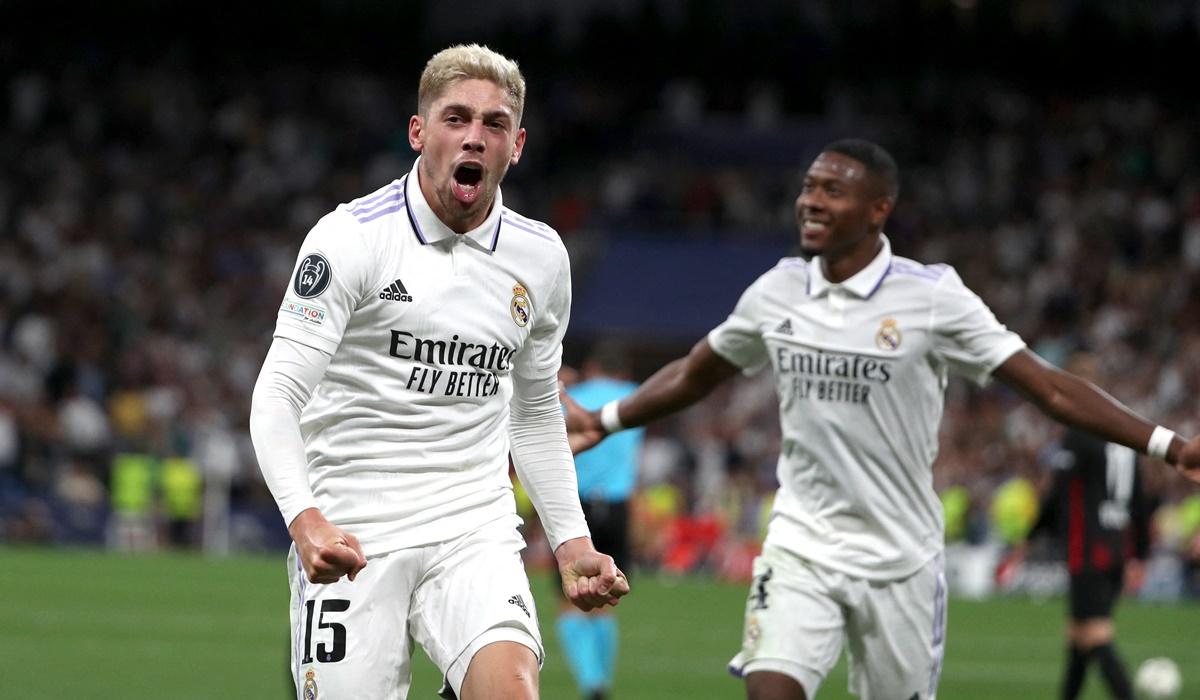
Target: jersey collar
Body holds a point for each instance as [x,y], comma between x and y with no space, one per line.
[863,284]
[430,229]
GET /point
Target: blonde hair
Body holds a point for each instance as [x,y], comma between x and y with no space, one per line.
[467,62]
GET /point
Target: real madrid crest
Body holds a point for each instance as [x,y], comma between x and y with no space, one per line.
[520,306]
[888,337]
[753,633]
[310,685]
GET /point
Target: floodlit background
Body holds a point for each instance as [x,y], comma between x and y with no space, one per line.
[161,163]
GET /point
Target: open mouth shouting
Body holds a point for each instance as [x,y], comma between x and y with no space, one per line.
[467,182]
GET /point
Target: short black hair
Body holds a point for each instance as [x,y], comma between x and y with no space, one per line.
[879,162]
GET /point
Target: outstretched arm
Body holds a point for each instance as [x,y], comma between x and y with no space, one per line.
[1079,403]
[676,386]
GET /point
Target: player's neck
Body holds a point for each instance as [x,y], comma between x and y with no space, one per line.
[842,265]
[461,222]
[469,223]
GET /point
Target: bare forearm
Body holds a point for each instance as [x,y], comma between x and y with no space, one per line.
[662,394]
[1077,402]
[676,386]
[1081,404]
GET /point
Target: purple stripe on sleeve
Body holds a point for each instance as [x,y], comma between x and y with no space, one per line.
[527,229]
[372,199]
[914,271]
[528,221]
[388,202]
[392,209]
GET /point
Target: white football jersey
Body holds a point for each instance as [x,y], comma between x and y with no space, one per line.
[407,433]
[861,369]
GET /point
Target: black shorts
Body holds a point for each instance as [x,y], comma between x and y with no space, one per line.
[1095,593]
[609,524]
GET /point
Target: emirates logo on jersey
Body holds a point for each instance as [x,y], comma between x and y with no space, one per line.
[828,376]
[454,367]
[888,337]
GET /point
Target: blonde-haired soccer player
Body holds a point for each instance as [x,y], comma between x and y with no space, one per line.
[861,342]
[417,345]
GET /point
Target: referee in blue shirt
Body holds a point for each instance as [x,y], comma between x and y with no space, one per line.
[607,476]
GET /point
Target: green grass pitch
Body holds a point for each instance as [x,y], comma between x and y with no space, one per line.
[94,625]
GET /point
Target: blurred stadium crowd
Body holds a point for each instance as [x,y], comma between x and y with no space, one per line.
[152,202]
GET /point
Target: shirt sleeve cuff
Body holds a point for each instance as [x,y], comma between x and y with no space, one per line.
[1004,350]
[724,353]
[291,510]
[569,534]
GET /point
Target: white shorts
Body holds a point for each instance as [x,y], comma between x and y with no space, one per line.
[353,639]
[799,613]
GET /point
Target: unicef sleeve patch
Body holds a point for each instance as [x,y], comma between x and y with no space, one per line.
[312,277]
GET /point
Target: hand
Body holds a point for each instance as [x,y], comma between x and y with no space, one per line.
[326,551]
[1010,565]
[583,426]
[589,579]
[1135,575]
[1187,461]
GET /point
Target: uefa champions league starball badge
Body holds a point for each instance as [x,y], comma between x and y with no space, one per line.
[520,306]
[312,276]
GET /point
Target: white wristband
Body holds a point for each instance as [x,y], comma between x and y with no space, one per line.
[1160,440]
[609,418]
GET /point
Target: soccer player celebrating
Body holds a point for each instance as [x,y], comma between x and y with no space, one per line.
[417,345]
[861,342]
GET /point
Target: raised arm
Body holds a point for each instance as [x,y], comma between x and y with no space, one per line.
[676,386]
[1079,403]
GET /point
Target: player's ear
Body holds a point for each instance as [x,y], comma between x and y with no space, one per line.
[518,147]
[881,209]
[416,132]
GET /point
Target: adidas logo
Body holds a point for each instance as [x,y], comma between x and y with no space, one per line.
[785,327]
[395,292]
[520,603]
